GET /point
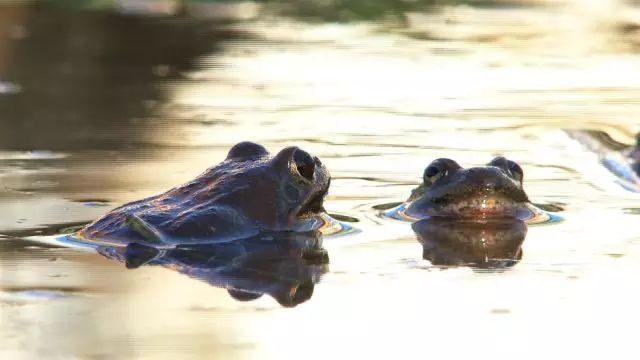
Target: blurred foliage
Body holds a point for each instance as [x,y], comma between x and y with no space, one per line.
[307,10]
[82,4]
[348,10]
[358,10]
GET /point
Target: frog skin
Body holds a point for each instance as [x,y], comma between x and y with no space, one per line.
[633,153]
[283,265]
[246,194]
[490,245]
[480,193]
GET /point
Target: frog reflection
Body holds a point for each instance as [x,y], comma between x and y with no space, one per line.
[284,265]
[484,245]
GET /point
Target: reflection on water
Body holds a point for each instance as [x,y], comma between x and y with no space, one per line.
[106,102]
[490,245]
[102,77]
[283,265]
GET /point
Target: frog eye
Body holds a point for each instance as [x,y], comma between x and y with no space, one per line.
[433,172]
[515,170]
[510,167]
[304,163]
[439,168]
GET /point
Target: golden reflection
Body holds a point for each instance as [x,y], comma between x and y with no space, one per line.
[484,245]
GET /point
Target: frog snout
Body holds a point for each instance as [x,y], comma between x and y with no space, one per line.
[487,178]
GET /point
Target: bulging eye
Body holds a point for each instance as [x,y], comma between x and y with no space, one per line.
[510,167]
[516,170]
[433,172]
[246,150]
[439,168]
[304,164]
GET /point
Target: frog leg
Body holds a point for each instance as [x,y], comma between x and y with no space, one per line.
[144,229]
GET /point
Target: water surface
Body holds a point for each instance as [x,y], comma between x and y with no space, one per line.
[101,106]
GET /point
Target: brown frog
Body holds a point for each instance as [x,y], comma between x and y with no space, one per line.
[449,191]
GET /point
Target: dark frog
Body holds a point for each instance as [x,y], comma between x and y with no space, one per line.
[633,153]
[449,191]
[248,193]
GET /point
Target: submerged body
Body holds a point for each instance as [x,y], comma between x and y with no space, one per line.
[479,193]
[248,193]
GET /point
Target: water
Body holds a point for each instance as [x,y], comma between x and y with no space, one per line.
[102,106]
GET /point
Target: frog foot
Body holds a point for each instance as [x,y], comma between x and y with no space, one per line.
[144,229]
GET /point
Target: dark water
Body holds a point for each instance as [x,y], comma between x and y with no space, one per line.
[100,105]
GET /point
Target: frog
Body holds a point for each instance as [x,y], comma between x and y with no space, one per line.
[622,160]
[480,245]
[482,193]
[633,154]
[248,193]
[285,265]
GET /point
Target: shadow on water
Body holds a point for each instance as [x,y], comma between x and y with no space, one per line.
[90,79]
[491,245]
[285,266]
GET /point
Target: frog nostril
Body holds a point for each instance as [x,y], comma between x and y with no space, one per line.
[490,185]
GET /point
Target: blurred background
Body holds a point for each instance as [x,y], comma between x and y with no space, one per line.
[107,101]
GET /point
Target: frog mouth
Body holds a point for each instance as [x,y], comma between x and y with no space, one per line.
[479,203]
[481,206]
[314,204]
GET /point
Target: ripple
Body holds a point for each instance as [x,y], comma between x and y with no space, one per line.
[536,216]
[542,217]
[9,88]
[32,155]
[93,202]
[332,226]
[550,207]
[387,206]
[24,296]
[632,211]
[344,217]
[395,212]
